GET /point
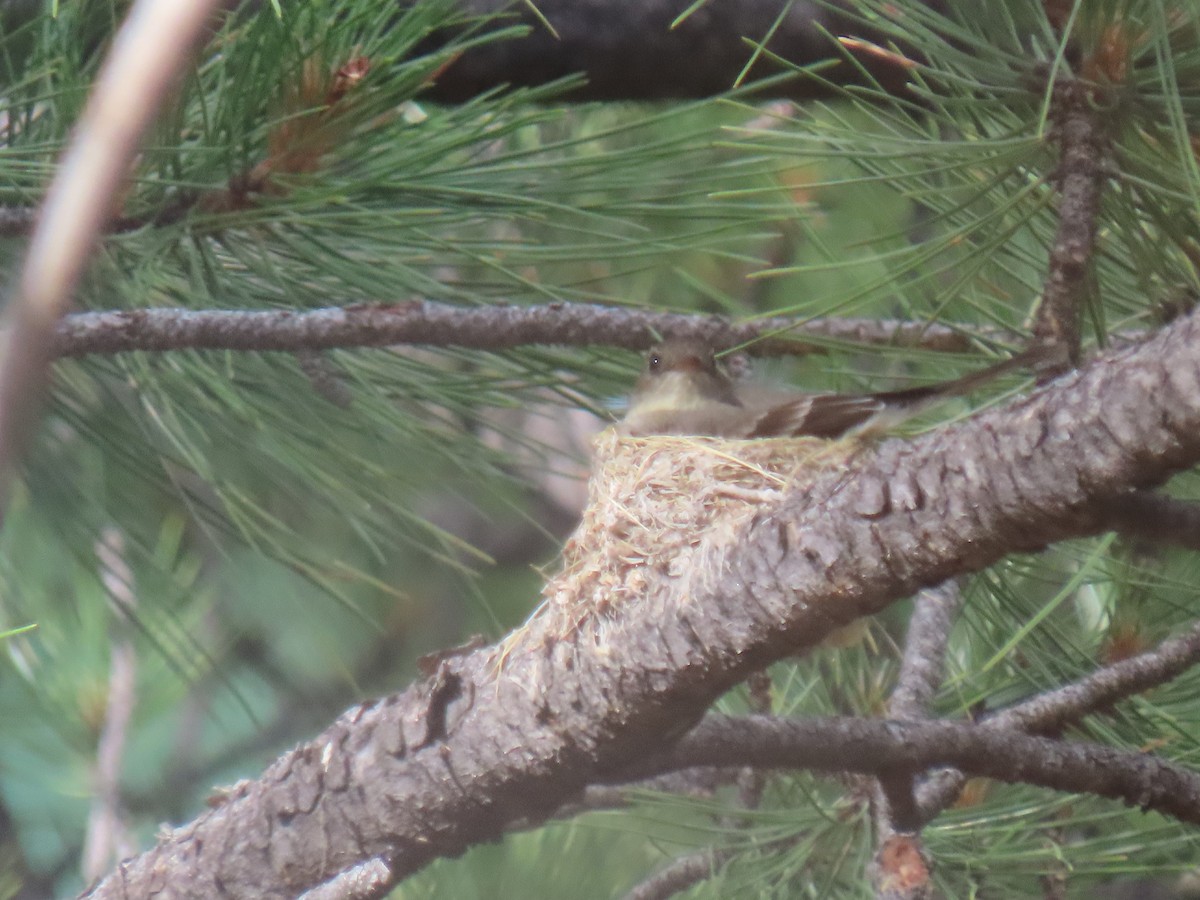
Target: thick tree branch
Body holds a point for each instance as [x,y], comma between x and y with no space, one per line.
[500,736]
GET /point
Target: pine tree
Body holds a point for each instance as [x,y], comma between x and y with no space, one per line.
[317,430]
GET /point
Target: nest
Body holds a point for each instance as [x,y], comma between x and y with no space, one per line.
[655,504]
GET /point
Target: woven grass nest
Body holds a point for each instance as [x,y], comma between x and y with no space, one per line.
[655,504]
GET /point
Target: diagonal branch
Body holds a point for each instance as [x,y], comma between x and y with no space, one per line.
[501,736]
[682,873]
[148,52]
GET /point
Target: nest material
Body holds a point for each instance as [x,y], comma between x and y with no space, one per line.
[655,504]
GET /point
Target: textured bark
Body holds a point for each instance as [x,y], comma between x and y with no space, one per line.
[1079,128]
[496,327]
[484,744]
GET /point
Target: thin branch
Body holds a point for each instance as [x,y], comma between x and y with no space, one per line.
[895,810]
[752,782]
[1155,518]
[150,49]
[892,871]
[107,839]
[364,881]
[921,668]
[1054,710]
[873,746]
[1080,132]
[680,874]
[480,328]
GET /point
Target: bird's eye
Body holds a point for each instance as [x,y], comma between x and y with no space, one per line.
[654,362]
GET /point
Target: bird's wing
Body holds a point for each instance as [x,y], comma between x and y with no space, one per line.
[817,415]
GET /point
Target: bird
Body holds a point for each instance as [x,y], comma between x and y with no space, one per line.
[683,390]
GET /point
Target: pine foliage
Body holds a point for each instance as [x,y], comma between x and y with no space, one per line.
[293,525]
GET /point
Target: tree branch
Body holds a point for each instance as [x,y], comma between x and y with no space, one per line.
[934,612]
[1145,516]
[1054,710]
[1081,141]
[894,870]
[480,328]
[680,874]
[875,746]
[511,734]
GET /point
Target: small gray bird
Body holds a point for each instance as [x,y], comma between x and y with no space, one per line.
[683,390]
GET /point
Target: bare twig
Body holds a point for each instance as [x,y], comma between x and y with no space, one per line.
[484,328]
[106,839]
[147,53]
